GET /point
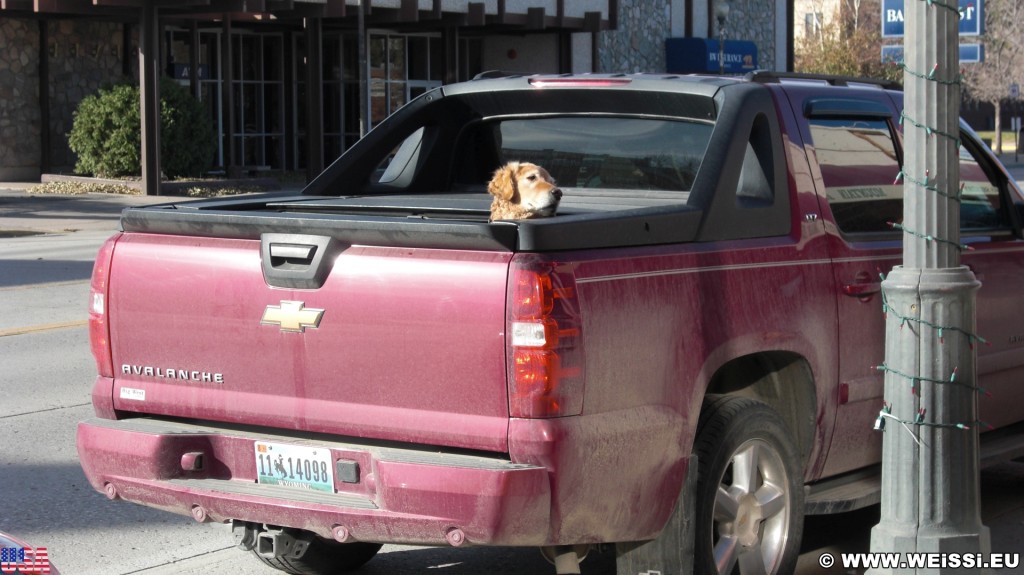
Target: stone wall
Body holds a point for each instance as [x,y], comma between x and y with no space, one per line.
[19,100]
[755,21]
[638,45]
[83,56]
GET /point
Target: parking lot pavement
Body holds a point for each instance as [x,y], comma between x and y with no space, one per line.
[1014,164]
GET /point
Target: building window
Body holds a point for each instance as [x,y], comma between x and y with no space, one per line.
[812,23]
[258,88]
[471,58]
[426,64]
[401,68]
[208,73]
[340,94]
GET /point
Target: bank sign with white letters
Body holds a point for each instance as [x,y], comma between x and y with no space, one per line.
[971,17]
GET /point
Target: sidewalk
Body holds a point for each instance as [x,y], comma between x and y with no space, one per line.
[24,213]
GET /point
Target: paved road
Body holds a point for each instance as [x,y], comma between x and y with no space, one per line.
[44,392]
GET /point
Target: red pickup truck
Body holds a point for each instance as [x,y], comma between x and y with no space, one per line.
[374,361]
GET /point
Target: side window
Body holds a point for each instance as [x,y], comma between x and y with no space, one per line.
[859,166]
[980,205]
[757,172]
[400,161]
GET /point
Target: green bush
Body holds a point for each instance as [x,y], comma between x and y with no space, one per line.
[107,133]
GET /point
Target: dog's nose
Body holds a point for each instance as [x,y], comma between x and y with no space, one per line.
[557,192]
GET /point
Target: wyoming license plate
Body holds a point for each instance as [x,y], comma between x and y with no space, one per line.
[295,466]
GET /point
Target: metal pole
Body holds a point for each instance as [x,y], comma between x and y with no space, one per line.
[227,59]
[721,14]
[1016,138]
[149,96]
[721,47]
[314,98]
[193,60]
[364,73]
[930,485]
[45,142]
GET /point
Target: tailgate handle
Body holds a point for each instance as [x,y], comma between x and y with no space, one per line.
[298,261]
[292,252]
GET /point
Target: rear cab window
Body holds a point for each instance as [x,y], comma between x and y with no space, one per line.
[609,153]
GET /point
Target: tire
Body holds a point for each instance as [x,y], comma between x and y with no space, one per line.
[324,557]
[750,497]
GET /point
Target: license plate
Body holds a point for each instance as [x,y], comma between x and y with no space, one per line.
[295,466]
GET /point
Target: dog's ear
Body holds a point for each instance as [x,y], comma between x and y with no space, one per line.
[503,184]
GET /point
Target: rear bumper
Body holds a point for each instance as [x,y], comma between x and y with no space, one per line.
[401,496]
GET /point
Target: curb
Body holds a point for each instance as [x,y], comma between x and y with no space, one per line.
[176,188]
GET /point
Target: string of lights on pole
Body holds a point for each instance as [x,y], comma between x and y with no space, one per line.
[928,185]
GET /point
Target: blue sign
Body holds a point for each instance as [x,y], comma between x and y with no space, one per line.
[700,56]
[969,54]
[972,18]
[182,71]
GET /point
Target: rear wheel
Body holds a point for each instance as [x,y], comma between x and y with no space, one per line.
[324,557]
[749,490]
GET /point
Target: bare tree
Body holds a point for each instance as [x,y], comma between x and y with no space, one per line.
[1003,40]
[853,11]
[847,43]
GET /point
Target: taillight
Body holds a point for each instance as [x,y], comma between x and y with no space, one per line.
[99,327]
[545,371]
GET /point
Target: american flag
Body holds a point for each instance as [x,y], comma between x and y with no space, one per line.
[24,560]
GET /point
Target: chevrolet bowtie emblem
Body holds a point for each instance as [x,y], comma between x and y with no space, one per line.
[292,316]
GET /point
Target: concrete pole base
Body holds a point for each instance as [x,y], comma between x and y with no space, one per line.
[930,469]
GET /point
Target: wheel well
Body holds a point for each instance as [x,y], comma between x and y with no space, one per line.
[780,379]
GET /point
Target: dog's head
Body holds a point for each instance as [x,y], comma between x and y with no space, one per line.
[523,190]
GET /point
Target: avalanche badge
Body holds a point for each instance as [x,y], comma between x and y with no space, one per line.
[292,316]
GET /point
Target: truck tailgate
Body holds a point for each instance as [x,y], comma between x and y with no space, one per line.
[410,344]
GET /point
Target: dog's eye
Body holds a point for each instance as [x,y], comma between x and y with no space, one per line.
[531,177]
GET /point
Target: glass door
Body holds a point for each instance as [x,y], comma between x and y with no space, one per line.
[401,68]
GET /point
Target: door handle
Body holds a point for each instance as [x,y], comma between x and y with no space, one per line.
[862,289]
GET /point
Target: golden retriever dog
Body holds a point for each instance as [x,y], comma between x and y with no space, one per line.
[523,190]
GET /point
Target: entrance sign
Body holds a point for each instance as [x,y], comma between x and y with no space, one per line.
[969,53]
[972,18]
